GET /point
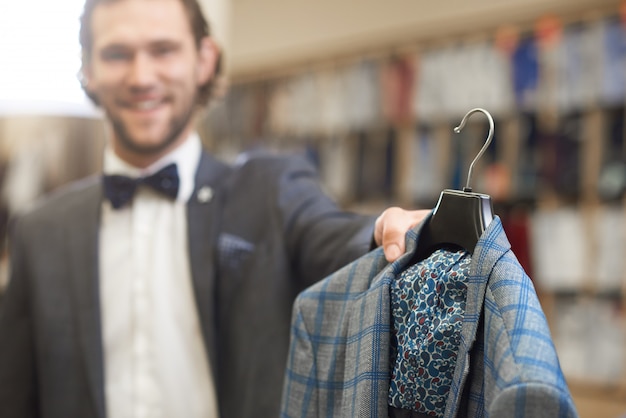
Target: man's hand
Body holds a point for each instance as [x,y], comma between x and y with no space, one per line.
[391,227]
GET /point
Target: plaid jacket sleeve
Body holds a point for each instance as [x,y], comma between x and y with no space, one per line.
[338,364]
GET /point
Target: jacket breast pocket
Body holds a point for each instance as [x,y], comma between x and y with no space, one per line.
[233,254]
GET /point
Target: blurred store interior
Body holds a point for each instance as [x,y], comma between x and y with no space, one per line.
[371,91]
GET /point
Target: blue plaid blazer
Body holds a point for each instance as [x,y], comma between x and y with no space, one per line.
[507,366]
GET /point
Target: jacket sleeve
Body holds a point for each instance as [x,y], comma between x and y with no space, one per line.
[17,372]
[320,236]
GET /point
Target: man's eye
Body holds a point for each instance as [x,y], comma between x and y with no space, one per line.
[115,56]
[163,50]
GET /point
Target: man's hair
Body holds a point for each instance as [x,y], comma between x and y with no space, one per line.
[199,29]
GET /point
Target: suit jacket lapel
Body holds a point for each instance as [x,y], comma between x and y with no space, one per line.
[82,233]
[203,218]
[491,246]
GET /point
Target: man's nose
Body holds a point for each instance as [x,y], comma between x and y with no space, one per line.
[142,71]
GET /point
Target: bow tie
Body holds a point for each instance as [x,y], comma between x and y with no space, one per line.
[121,189]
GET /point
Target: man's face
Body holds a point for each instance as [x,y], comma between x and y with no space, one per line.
[145,69]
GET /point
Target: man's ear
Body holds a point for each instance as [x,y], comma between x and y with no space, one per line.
[85,77]
[207,64]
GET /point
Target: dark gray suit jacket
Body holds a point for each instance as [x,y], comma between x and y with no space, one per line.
[267,233]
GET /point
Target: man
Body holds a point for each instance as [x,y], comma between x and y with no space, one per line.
[124,302]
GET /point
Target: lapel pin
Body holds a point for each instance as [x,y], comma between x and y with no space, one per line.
[205,194]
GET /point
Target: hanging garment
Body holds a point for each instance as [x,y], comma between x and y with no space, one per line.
[525,73]
[426,177]
[427,309]
[397,77]
[613,63]
[428,94]
[362,95]
[506,364]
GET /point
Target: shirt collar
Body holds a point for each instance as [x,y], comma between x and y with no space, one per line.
[186,157]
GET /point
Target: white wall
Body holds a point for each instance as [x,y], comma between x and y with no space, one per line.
[218,13]
[268,34]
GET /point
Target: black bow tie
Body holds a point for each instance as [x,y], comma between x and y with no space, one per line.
[121,189]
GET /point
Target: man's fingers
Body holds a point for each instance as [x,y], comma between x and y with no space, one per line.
[393,251]
[391,228]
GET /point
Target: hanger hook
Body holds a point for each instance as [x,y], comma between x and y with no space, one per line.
[483,149]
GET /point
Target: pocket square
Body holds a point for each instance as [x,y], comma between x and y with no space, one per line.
[233,251]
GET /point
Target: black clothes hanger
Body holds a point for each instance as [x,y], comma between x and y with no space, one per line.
[460,217]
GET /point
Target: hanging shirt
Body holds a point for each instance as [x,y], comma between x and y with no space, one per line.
[156,364]
[525,73]
[613,77]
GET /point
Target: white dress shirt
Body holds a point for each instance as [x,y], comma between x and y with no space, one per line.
[155,360]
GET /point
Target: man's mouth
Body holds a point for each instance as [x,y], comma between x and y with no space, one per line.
[145,104]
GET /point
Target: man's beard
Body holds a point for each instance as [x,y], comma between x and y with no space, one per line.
[176,126]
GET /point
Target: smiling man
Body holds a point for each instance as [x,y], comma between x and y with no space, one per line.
[144,67]
[164,287]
